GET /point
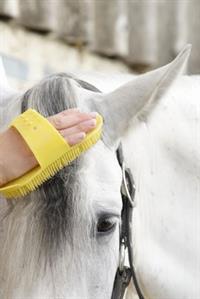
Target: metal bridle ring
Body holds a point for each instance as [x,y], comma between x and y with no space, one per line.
[125,190]
[122,256]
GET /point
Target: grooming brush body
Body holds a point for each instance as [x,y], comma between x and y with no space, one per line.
[49,148]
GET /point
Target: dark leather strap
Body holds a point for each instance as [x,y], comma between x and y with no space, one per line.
[122,280]
[123,276]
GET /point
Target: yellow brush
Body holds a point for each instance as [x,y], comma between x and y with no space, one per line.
[49,148]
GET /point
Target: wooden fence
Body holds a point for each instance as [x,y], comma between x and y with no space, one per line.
[144,33]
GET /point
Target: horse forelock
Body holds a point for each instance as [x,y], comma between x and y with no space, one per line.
[59,202]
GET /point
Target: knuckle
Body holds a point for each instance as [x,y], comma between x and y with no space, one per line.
[80,126]
[82,116]
[63,113]
[62,133]
[58,121]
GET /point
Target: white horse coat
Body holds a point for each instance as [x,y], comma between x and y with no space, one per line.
[161,140]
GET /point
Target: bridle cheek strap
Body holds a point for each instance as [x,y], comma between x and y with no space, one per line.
[124,274]
[122,280]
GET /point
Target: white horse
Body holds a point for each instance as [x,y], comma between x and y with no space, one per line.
[62,241]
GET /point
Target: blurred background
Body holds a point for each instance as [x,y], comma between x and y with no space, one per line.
[40,37]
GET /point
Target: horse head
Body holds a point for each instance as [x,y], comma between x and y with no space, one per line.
[62,240]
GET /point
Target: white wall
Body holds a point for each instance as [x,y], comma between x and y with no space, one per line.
[28,56]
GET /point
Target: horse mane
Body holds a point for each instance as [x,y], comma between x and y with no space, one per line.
[53,95]
[48,216]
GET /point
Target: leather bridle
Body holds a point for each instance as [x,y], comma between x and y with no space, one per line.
[124,273]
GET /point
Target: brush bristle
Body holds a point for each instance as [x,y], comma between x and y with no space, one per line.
[52,169]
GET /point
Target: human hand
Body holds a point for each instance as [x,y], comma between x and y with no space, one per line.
[73,125]
[15,156]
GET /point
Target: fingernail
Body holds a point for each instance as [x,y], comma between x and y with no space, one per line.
[93,114]
[90,123]
[80,136]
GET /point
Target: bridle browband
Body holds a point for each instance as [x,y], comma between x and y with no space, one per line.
[124,273]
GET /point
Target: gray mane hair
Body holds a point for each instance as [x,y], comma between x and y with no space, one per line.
[55,208]
[57,196]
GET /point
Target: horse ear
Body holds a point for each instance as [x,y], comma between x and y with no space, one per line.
[137,97]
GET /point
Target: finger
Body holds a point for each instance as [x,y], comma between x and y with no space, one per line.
[69,111]
[84,126]
[63,122]
[76,138]
[55,118]
[66,112]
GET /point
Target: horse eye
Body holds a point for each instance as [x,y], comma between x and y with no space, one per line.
[105,225]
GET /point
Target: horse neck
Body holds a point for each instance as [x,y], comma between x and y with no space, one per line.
[163,154]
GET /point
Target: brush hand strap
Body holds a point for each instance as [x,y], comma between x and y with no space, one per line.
[49,148]
[42,138]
